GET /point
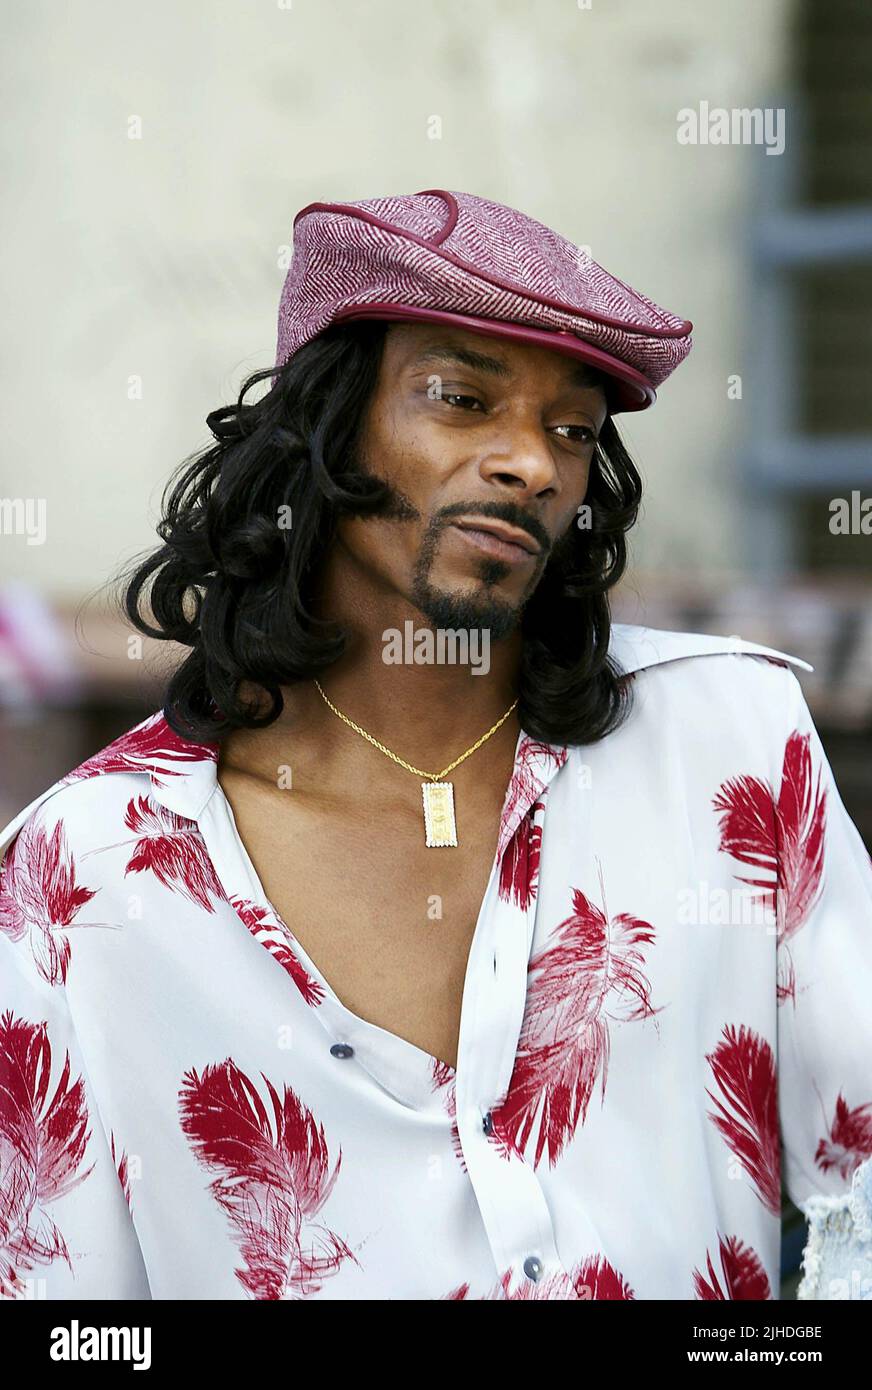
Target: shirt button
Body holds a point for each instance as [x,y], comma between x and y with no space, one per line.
[533,1268]
[341,1050]
[487,1123]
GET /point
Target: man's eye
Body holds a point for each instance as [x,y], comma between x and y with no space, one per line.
[579,434]
[456,396]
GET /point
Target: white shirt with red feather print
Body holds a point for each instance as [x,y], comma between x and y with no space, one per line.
[667,1011]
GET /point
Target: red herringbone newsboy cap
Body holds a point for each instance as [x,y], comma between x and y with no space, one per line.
[454,258]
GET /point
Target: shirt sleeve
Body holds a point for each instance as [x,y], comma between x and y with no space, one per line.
[66,1228]
[824,1010]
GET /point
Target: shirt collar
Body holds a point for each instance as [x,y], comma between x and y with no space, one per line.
[184,775]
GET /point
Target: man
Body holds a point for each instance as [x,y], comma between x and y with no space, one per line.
[439,939]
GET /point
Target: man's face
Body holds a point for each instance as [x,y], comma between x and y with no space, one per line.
[486,446]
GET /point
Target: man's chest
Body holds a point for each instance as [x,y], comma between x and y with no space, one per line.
[386,921]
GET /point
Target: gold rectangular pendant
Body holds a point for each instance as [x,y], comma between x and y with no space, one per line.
[439,822]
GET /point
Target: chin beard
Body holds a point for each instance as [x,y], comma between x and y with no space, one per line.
[476,609]
[467,610]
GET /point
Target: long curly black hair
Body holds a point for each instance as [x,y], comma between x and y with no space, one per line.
[234,583]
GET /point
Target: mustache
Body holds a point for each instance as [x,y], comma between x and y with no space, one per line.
[396,506]
[505,510]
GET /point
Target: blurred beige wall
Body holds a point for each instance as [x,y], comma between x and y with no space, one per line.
[160,258]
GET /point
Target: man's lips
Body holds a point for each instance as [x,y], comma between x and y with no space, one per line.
[499,539]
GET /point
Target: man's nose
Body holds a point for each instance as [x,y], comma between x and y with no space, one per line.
[521,459]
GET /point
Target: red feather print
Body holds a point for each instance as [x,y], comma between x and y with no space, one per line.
[594,1279]
[743,1274]
[40,882]
[272,1168]
[597,1280]
[519,867]
[849,1141]
[269,929]
[533,762]
[122,1169]
[785,840]
[526,782]
[748,833]
[141,748]
[588,974]
[444,1075]
[785,983]
[801,826]
[744,1068]
[443,1072]
[42,1145]
[552,1287]
[12,921]
[171,847]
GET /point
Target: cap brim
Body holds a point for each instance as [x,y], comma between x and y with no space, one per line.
[629,389]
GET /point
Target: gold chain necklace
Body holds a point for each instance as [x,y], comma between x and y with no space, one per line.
[440,826]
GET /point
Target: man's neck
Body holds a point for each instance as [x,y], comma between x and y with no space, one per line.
[427,711]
